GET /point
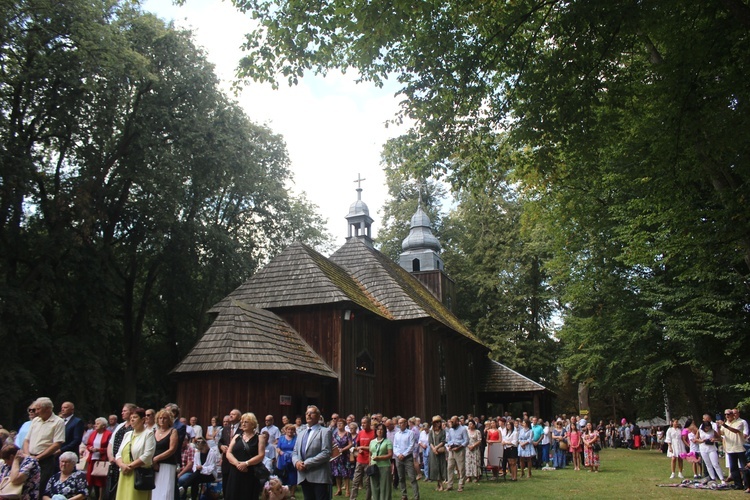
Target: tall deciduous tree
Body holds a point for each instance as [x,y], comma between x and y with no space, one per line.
[633,119]
[133,194]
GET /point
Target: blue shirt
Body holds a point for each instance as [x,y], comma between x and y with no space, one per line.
[403,443]
[456,436]
[538,431]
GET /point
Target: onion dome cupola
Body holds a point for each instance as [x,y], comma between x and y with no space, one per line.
[360,222]
[420,248]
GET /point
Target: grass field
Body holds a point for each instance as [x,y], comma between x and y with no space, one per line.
[624,474]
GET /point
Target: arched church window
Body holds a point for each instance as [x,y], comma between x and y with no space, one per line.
[415,265]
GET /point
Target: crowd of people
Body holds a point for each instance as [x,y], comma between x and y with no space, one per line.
[156,454]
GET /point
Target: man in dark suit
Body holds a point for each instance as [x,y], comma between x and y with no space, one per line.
[74,428]
[228,430]
[311,456]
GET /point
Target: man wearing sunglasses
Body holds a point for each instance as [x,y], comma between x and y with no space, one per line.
[734,439]
[45,437]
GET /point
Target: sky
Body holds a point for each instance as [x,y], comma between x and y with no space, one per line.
[334,128]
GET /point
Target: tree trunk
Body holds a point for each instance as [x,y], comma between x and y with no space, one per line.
[583,399]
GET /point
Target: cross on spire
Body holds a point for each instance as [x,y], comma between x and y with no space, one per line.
[419,185]
[359,186]
[359,180]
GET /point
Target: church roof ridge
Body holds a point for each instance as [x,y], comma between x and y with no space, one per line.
[243,337]
[404,295]
[302,276]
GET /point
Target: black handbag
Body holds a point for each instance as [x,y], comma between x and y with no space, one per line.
[373,470]
[145,479]
[262,474]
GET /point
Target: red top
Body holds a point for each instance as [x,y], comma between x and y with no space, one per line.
[363,439]
[493,435]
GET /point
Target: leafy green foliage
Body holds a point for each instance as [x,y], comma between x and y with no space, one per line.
[133,195]
[627,125]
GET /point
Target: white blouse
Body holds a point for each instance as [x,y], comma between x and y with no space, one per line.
[142,446]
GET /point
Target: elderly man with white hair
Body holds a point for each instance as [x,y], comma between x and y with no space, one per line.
[46,436]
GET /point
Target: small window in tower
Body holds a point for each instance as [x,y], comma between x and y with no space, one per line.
[364,364]
[415,265]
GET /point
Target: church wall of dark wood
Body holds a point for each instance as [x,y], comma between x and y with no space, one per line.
[406,385]
[216,393]
[320,327]
[461,364]
[361,386]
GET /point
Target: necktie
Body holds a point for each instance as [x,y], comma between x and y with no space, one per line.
[304,444]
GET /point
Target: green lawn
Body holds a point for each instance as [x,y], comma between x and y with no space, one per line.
[624,474]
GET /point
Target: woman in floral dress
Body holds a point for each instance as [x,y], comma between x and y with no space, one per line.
[340,466]
[473,467]
[69,482]
[21,470]
[591,454]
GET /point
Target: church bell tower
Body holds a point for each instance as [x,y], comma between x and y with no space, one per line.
[421,257]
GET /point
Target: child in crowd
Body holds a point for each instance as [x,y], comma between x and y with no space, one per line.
[274,490]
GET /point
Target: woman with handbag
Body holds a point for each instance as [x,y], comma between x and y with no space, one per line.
[381,452]
[134,459]
[437,461]
[98,465]
[559,445]
[591,448]
[166,456]
[19,475]
[68,482]
[246,451]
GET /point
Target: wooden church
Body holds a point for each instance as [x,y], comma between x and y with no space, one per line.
[352,333]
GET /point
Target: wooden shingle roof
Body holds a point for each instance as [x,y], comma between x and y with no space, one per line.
[300,276]
[243,337]
[404,296]
[500,378]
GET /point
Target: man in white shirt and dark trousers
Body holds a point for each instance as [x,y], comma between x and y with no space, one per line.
[403,449]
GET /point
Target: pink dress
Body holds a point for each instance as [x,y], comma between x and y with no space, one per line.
[575,442]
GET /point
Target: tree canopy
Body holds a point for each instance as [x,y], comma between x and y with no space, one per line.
[133,195]
[629,121]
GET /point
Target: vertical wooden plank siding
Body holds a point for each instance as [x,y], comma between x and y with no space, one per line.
[216,393]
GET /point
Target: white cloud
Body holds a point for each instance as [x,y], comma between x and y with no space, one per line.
[333,127]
